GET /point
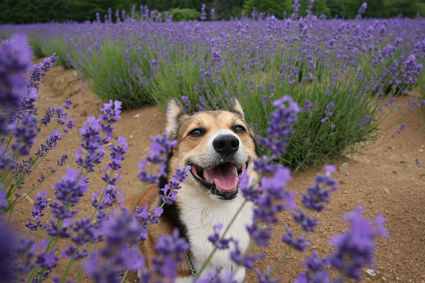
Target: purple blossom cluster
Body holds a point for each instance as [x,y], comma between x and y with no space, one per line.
[161,146]
[355,248]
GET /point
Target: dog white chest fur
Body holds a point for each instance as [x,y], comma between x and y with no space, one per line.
[200,216]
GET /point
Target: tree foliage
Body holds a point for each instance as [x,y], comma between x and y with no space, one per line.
[184,14]
[83,10]
[33,11]
[275,7]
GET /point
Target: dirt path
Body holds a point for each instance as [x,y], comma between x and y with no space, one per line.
[385,180]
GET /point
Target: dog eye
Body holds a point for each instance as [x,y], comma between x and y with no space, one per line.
[238,129]
[196,133]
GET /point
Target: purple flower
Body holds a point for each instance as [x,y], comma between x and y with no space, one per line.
[15,61]
[40,204]
[266,278]
[280,126]
[73,252]
[144,176]
[47,259]
[329,169]
[296,6]
[249,192]
[264,165]
[117,153]
[417,162]
[111,112]
[84,230]
[160,146]
[7,244]
[363,8]
[307,106]
[6,160]
[24,134]
[39,71]
[61,162]
[170,250]
[120,252]
[50,143]
[215,238]
[411,69]
[71,188]
[261,236]
[306,221]
[329,108]
[186,100]
[203,13]
[300,243]
[169,192]
[216,55]
[168,197]
[246,260]
[93,143]
[272,189]
[355,248]
[315,271]
[316,194]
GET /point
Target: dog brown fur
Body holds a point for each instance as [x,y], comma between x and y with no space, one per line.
[151,198]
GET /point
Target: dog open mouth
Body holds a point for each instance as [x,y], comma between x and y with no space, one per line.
[222,179]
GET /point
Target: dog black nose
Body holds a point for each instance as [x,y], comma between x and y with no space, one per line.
[226,144]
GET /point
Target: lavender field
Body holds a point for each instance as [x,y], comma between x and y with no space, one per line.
[341,72]
[315,90]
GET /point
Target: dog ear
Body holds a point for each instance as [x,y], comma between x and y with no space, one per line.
[236,107]
[175,114]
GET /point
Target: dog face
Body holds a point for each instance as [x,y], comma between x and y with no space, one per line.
[218,145]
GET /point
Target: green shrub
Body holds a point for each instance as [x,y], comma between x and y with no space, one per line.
[61,47]
[37,47]
[108,71]
[184,14]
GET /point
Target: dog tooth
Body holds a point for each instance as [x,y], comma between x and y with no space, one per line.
[207,178]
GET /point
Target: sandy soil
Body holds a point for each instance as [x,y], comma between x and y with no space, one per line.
[385,179]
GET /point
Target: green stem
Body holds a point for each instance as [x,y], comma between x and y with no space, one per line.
[80,269]
[282,259]
[125,275]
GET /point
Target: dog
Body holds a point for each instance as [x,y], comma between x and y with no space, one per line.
[219,146]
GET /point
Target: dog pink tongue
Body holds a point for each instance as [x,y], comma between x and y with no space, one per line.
[225,177]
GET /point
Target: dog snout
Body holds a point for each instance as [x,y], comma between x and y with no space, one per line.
[226,144]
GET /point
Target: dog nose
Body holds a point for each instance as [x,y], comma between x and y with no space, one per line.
[226,144]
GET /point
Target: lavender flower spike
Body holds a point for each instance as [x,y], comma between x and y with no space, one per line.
[280,126]
[363,8]
[355,248]
[15,60]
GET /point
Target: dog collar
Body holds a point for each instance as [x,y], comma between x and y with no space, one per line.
[192,268]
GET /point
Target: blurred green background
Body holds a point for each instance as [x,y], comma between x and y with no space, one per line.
[40,11]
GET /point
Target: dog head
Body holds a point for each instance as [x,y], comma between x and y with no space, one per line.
[218,145]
